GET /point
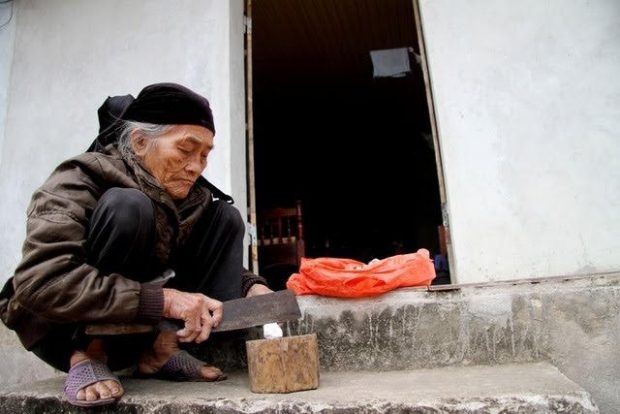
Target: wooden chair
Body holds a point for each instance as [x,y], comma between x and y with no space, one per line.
[280,243]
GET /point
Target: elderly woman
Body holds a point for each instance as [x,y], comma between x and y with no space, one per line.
[107,227]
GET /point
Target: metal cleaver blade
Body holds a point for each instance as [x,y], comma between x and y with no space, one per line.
[243,313]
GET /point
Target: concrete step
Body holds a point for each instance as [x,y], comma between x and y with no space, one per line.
[514,388]
[511,322]
[470,325]
[448,325]
[502,323]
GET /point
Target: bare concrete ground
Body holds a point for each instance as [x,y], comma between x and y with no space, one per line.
[522,388]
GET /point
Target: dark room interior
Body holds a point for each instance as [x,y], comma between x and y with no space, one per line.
[357,150]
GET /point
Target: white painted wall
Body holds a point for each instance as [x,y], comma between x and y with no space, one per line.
[16,364]
[236,106]
[69,55]
[527,96]
[7,39]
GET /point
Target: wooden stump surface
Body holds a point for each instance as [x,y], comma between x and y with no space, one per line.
[283,365]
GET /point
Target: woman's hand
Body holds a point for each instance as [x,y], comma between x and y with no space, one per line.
[200,314]
[258,289]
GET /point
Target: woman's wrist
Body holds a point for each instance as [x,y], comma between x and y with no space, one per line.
[258,289]
[168,294]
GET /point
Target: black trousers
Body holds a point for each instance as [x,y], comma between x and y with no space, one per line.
[121,239]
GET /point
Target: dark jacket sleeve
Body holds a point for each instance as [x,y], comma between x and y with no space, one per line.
[248,279]
[54,280]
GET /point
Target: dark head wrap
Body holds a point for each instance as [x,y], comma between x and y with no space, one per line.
[169,103]
[112,110]
[160,103]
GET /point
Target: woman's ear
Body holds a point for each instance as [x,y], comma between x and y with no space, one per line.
[138,143]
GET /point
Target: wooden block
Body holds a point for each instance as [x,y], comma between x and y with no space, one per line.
[283,365]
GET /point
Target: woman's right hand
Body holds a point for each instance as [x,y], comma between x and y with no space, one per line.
[200,314]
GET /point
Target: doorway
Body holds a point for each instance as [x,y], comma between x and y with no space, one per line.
[333,129]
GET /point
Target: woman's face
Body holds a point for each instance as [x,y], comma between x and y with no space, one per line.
[177,158]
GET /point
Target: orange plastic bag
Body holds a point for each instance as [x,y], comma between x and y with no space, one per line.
[328,276]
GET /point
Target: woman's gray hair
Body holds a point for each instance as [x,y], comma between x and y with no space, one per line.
[150,131]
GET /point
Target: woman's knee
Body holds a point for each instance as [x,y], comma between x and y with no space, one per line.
[228,216]
[126,210]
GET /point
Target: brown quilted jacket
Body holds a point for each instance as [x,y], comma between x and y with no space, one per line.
[53,283]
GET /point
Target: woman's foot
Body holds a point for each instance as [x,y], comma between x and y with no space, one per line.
[99,390]
[166,347]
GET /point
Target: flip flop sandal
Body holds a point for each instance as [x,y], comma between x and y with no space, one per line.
[182,367]
[84,374]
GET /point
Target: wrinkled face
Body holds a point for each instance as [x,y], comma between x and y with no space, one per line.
[177,158]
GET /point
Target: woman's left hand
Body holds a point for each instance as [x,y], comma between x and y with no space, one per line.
[258,289]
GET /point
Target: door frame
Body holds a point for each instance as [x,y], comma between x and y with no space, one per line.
[250,135]
[435,133]
[249,128]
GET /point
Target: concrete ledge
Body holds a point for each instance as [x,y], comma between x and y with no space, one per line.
[416,328]
[509,323]
[524,388]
